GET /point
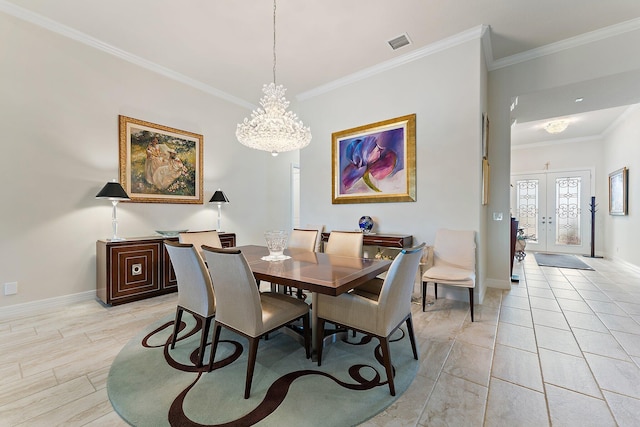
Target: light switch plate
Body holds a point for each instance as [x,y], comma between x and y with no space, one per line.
[497,216]
[11,288]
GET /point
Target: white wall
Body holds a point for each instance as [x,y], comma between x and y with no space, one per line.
[443,90]
[581,63]
[623,150]
[59,107]
[569,155]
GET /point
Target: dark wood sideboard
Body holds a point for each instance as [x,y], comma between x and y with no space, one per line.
[137,268]
[399,241]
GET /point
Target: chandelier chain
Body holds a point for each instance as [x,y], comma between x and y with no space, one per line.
[274,41]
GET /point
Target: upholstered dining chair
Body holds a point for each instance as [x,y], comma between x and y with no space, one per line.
[378,315]
[345,243]
[454,263]
[199,238]
[305,240]
[195,290]
[242,309]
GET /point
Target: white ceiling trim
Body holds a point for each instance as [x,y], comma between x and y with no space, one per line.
[555,142]
[621,118]
[81,37]
[582,39]
[444,44]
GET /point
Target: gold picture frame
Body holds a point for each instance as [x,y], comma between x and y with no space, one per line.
[486,171]
[160,164]
[619,192]
[375,163]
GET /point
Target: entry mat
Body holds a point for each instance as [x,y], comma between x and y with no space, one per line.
[561,261]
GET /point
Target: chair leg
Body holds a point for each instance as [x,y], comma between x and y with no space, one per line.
[471,302]
[176,326]
[386,359]
[214,345]
[412,337]
[203,339]
[306,324]
[251,363]
[319,339]
[435,290]
[424,294]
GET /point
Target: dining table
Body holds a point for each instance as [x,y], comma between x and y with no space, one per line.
[316,272]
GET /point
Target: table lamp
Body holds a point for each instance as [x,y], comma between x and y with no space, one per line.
[219,197]
[114,192]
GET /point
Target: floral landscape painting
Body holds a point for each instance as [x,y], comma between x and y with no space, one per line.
[375,163]
[160,164]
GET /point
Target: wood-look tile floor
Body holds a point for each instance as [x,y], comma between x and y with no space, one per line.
[561,347]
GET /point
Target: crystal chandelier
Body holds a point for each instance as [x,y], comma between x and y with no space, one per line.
[272,128]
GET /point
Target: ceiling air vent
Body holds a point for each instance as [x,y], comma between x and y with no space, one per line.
[398,42]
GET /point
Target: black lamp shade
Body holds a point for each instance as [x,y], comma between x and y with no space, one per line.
[112,191]
[219,197]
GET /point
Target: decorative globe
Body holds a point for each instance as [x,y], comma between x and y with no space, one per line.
[366,224]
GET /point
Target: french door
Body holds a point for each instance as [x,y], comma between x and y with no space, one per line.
[553,210]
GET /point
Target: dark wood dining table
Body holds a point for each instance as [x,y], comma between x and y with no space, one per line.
[315,272]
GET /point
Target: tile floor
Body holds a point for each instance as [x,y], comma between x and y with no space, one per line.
[561,347]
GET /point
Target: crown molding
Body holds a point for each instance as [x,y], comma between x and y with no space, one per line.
[556,142]
[439,46]
[621,118]
[56,27]
[582,39]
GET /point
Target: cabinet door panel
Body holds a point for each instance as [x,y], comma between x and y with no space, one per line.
[135,270]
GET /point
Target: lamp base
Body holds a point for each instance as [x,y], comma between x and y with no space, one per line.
[116,239]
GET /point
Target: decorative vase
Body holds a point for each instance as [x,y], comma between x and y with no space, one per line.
[276,242]
[366,224]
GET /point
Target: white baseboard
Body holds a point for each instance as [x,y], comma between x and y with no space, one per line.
[497,283]
[627,264]
[29,308]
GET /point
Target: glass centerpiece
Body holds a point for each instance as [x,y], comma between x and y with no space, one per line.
[276,242]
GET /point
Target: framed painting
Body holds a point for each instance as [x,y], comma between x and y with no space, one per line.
[618,192]
[375,163]
[486,169]
[485,136]
[159,164]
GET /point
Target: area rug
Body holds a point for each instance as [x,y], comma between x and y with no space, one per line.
[150,384]
[561,261]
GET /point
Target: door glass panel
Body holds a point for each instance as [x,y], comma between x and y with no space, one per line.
[568,211]
[527,207]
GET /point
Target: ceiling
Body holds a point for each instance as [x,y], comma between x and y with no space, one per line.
[227,45]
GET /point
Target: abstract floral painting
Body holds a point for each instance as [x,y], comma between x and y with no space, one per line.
[375,163]
[160,164]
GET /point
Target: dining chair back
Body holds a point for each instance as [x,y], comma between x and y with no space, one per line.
[303,239]
[199,238]
[242,309]
[320,229]
[454,263]
[195,290]
[381,317]
[345,243]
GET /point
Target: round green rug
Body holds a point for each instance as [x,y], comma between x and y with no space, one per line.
[150,384]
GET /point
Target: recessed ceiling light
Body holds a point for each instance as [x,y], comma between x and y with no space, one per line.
[579,99]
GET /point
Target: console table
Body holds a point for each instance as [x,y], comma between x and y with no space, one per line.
[399,241]
[137,268]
